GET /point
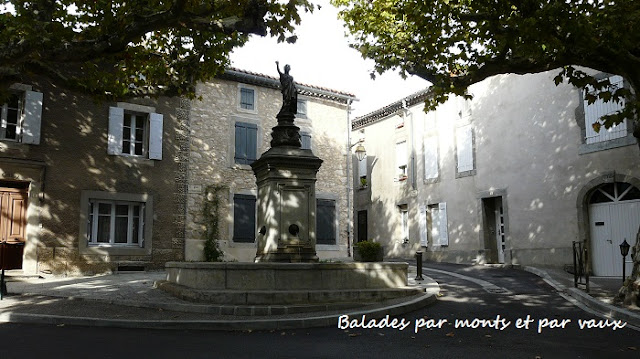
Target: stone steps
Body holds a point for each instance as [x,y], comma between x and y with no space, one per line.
[274,298]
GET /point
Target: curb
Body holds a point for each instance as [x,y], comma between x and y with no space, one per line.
[604,309]
[416,302]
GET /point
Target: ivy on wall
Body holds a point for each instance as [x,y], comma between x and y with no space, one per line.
[211,217]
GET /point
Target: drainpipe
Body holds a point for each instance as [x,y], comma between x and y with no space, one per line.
[349,180]
[408,115]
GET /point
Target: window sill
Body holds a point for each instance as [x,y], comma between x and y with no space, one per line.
[114,250]
[607,145]
[133,160]
[237,166]
[466,173]
[327,247]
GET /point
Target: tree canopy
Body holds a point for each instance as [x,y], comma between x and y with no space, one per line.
[456,43]
[119,49]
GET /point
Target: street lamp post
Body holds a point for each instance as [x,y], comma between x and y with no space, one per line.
[624,250]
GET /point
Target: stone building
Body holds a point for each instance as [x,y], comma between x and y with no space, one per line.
[513,176]
[230,128]
[90,187]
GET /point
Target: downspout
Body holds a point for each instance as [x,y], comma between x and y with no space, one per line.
[349,180]
[408,114]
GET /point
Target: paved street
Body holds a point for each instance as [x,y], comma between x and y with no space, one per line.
[500,296]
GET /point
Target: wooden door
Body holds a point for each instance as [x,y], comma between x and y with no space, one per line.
[13,223]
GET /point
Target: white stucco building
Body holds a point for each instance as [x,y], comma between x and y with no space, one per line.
[513,176]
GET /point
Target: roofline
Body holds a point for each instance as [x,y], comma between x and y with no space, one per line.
[390,109]
[274,83]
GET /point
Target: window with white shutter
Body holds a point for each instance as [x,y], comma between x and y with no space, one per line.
[135,133]
[437,230]
[464,149]
[593,112]
[431,158]
[305,139]
[21,116]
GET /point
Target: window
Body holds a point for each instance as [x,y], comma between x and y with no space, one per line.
[305,139]
[247,99]
[115,223]
[431,158]
[326,221]
[21,116]
[404,222]
[464,150]
[436,227]
[244,218]
[593,112]
[401,160]
[246,143]
[362,172]
[136,131]
[302,109]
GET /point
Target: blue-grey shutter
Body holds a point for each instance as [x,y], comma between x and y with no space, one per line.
[244,218]
[325,221]
[252,143]
[306,140]
[246,143]
[241,144]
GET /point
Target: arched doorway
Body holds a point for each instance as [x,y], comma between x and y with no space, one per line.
[614,215]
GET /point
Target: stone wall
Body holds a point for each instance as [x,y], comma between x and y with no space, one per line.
[211,163]
[72,158]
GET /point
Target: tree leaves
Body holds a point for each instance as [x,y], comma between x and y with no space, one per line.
[456,43]
[119,49]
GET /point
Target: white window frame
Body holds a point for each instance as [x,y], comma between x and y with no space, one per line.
[152,123]
[145,245]
[436,224]
[29,116]
[93,223]
[302,106]
[255,98]
[362,172]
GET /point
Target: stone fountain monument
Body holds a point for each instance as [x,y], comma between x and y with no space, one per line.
[287,278]
[286,179]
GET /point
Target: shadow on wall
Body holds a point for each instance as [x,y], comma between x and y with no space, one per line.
[73,148]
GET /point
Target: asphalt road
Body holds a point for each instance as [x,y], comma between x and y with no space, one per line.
[497,298]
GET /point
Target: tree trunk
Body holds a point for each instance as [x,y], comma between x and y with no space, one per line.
[629,294]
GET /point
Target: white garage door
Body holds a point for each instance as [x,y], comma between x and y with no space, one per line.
[614,215]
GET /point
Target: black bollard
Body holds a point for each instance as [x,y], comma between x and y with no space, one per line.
[419,265]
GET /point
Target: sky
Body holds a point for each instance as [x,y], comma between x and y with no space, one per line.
[322,57]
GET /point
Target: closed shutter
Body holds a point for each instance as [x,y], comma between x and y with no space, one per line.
[306,140]
[114,139]
[423,225]
[464,149]
[246,143]
[326,221]
[593,112]
[431,158]
[32,117]
[443,231]
[244,218]
[155,136]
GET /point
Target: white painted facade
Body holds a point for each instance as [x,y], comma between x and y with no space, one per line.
[506,177]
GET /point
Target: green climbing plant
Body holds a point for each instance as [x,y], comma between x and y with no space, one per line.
[211,216]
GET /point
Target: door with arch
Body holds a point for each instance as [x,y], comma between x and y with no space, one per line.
[614,215]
